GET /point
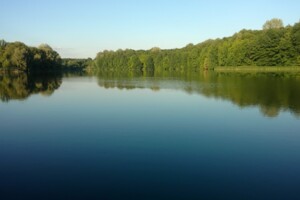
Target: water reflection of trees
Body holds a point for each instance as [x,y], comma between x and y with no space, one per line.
[20,86]
[271,92]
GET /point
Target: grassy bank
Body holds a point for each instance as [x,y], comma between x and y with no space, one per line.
[257,69]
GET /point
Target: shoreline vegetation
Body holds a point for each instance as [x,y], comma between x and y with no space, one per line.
[258,69]
[275,45]
[275,48]
[16,57]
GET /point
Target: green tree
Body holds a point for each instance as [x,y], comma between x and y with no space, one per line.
[15,56]
[149,64]
[18,56]
[135,63]
[274,46]
[52,59]
[274,23]
[295,37]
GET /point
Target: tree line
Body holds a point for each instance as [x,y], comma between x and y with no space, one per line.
[275,45]
[76,64]
[18,56]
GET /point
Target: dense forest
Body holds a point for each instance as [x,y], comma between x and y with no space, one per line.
[275,45]
[18,56]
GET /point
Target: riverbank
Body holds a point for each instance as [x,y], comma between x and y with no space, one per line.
[258,69]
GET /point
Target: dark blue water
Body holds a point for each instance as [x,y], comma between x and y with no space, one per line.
[148,138]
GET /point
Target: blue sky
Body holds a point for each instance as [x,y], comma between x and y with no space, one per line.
[77,28]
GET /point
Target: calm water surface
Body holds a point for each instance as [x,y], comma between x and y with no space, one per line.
[156,136]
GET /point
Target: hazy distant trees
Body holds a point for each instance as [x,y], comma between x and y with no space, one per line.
[75,64]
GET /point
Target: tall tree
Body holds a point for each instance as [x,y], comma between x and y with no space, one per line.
[274,23]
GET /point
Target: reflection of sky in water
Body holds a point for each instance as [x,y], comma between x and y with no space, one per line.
[88,140]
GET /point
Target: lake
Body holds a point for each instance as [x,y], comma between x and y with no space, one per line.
[150,136]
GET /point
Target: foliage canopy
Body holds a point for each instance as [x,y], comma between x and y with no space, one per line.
[274,46]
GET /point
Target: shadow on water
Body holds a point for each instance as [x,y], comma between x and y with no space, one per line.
[271,92]
[19,86]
